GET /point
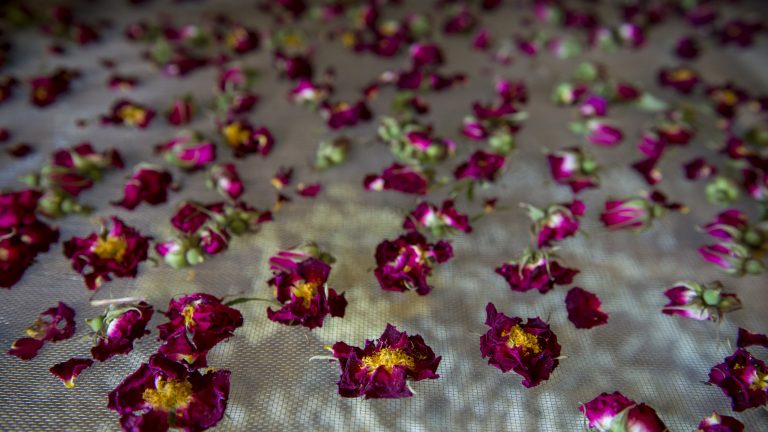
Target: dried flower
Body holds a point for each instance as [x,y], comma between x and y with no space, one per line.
[539,270]
[406,262]
[54,324]
[743,378]
[616,412]
[149,183]
[69,370]
[118,328]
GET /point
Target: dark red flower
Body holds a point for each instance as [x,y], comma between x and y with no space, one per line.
[149,183]
[69,370]
[584,309]
[573,167]
[245,139]
[294,67]
[382,367]
[45,89]
[54,324]
[555,223]
[7,83]
[241,39]
[181,111]
[118,328]
[743,378]
[440,221]
[529,349]
[341,114]
[687,48]
[300,284]
[699,168]
[116,252]
[196,323]
[537,270]
[720,423]
[683,79]
[128,113]
[481,166]
[739,32]
[162,394]
[746,339]
[406,262]
[399,178]
[616,412]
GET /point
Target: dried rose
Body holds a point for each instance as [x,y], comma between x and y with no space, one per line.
[743,378]
[573,167]
[54,324]
[440,221]
[692,300]
[225,179]
[382,368]
[188,150]
[530,350]
[683,79]
[128,113]
[406,262]
[245,139]
[481,166]
[149,183]
[118,328]
[539,270]
[399,178]
[555,223]
[69,370]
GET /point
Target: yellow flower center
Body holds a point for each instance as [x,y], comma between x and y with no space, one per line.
[682,74]
[726,97]
[348,39]
[521,338]
[236,134]
[761,383]
[132,115]
[305,291]
[112,247]
[188,313]
[37,329]
[41,93]
[293,40]
[4,254]
[236,36]
[168,395]
[388,358]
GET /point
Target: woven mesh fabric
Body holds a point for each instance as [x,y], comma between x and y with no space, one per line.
[650,357]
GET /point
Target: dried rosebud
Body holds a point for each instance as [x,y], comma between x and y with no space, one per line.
[188,151]
[727,98]
[406,262]
[722,190]
[683,79]
[440,221]
[149,183]
[113,252]
[181,111]
[118,328]
[245,139]
[603,134]
[399,178]
[743,378]
[163,393]
[692,300]
[636,213]
[530,350]
[699,168]
[69,370]
[481,166]
[594,106]
[616,412]
[573,167]
[584,309]
[555,223]
[225,179]
[538,270]
[341,114]
[382,367]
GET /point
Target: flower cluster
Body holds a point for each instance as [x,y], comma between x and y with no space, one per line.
[54,324]
[70,172]
[382,368]
[22,234]
[413,143]
[616,412]
[530,349]
[740,245]
[118,327]
[205,229]
[692,300]
[406,262]
[536,269]
[149,183]
[196,323]
[112,252]
[438,220]
[300,285]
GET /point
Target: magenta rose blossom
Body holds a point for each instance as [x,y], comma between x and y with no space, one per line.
[603,134]
[616,412]
[128,113]
[245,139]
[341,114]
[584,309]
[69,370]
[162,394]
[148,184]
[537,270]
[118,328]
[113,252]
[555,223]
[529,349]
[45,89]
[439,220]
[225,179]
[188,150]
[573,167]
[481,166]
[300,284]
[398,178]
[196,323]
[743,378]
[720,423]
[692,300]
[636,213]
[383,367]
[54,324]
[406,262]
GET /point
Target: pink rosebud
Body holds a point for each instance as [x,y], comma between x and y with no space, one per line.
[692,300]
[610,412]
[181,111]
[603,134]
[225,179]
